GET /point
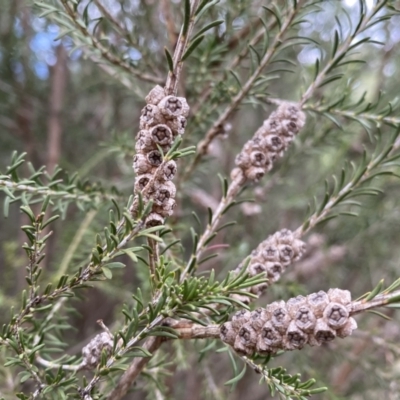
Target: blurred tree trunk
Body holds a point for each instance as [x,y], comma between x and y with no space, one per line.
[58,82]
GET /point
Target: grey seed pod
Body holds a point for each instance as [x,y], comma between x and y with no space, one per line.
[141,182]
[258,158]
[254,144]
[294,304]
[140,147]
[305,319]
[259,289]
[177,125]
[143,139]
[272,126]
[285,254]
[274,143]
[172,107]
[254,173]
[284,236]
[91,353]
[274,306]
[240,318]
[348,329]
[151,115]
[243,160]
[318,302]
[290,127]
[166,209]
[258,318]
[269,252]
[269,338]
[154,219]
[155,95]
[155,158]
[162,195]
[141,165]
[288,111]
[339,296]
[295,338]
[161,135]
[299,248]
[170,186]
[256,267]
[227,333]
[274,270]
[237,173]
[336,315]
[168,170]
[246,339]
[280,319]
[322,332]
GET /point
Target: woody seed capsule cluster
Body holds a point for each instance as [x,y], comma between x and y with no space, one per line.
[91,353]
[313,320]
[272,257]
[162,120]
[269,142]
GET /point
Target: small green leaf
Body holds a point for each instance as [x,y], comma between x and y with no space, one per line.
[192,47]
[115,265]
[107,273]
[169,60]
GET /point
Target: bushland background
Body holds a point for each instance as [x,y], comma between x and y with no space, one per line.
[60,106]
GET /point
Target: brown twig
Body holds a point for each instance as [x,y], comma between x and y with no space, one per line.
[183,41]
[165,6]
[151,345]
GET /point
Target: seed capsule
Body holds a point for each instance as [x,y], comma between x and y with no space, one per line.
[155,95]
[336,315]
[161,135]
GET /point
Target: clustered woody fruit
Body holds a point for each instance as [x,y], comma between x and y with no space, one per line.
[91,353]
[161,121]
[272,257]
[313,320]
[269,142]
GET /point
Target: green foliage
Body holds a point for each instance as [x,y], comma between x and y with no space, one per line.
[156,286]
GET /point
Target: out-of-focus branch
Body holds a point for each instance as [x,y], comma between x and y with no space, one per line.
[57,94]
[340,53]
[202,147]
[183,41]
[151,345]
[165,6]
[106,54]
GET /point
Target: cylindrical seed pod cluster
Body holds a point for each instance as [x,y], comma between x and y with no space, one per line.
[272,257]
[91,353]
[269,142]
[313,320]
[161,121]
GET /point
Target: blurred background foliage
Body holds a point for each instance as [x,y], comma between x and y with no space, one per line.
[63,104]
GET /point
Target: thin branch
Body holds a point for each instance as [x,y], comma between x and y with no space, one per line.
[127,379]
[215,130]
[202,98]
[376,118]
[233,190]
[104,51]
[381,300]
[171,86]
[340,53]
[165,6]
[45,191]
